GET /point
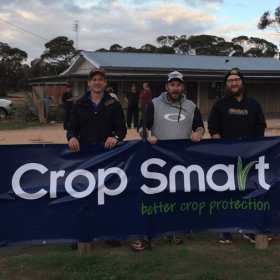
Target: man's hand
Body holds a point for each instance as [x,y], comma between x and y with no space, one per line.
[152,140]
[110,142]
[74,144]
[197,136]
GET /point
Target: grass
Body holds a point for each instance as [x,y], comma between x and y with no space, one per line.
[200,257]
[14,125]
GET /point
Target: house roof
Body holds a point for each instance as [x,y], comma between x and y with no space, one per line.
[177,61]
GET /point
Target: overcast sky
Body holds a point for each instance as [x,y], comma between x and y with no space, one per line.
[127,22]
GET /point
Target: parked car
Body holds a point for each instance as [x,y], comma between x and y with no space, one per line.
[6,108]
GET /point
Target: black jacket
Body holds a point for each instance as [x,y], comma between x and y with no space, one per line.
[90,126]
[233,119]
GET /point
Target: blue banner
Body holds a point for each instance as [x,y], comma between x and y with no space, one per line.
[49,194]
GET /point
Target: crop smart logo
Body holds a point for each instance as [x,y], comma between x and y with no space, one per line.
[167,179]
[242,174]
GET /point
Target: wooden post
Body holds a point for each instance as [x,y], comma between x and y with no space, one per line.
[40,105]
[84,248]
[261,241]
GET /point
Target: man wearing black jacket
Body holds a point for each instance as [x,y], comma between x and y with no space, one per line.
[96,116]
[236,116]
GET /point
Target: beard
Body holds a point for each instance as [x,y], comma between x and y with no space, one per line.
[174,100]
[235,93]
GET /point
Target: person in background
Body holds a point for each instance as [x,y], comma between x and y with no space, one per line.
[68,100]
[145,95]
[236,116]
[132,98]
[111,91]
[171,116]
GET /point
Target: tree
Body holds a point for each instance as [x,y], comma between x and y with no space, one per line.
[182,46]
[11,67]
[148,48]
[205,45]
[165,49]
[102,50]
[161,40]
[261,48]
[116,48]
[131,49]
[60,53]
[267,21]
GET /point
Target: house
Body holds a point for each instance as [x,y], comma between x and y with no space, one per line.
[203,76]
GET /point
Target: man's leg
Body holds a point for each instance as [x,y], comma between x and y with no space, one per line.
[66,120]
[136,113]
[129,116]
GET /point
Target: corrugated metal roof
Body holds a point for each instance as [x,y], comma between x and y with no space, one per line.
[176,61]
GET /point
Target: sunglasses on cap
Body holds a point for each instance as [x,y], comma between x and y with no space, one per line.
[177,76]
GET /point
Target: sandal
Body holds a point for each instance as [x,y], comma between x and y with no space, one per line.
[141,244]
[174,238]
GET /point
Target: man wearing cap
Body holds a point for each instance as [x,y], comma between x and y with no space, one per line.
[132,98]
[96,116]
[171,116]
[236,116]
[68,100]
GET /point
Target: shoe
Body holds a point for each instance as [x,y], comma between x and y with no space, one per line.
[114,242]
[74,246]
[141,244]
[250,237]
[225,238]
[174,238]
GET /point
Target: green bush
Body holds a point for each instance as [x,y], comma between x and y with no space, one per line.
[56,114]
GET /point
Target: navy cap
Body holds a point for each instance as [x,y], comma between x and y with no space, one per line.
[175,76]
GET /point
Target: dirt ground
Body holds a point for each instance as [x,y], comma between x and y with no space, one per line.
[54,133]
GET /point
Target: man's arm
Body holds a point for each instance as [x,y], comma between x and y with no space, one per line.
[73,131]
[197,126]
[260,123]
[74,144]
[214,123]
[149,120]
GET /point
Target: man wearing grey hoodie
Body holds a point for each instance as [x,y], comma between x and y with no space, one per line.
[171,116]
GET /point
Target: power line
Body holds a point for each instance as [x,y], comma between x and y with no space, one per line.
[24,30]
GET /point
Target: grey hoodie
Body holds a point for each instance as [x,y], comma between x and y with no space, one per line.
[172,121]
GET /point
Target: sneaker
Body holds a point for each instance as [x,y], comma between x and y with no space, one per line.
[250,237]
[225,238]
[141,244]
[175,238]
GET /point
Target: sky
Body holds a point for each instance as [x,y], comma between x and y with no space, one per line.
[127,22]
